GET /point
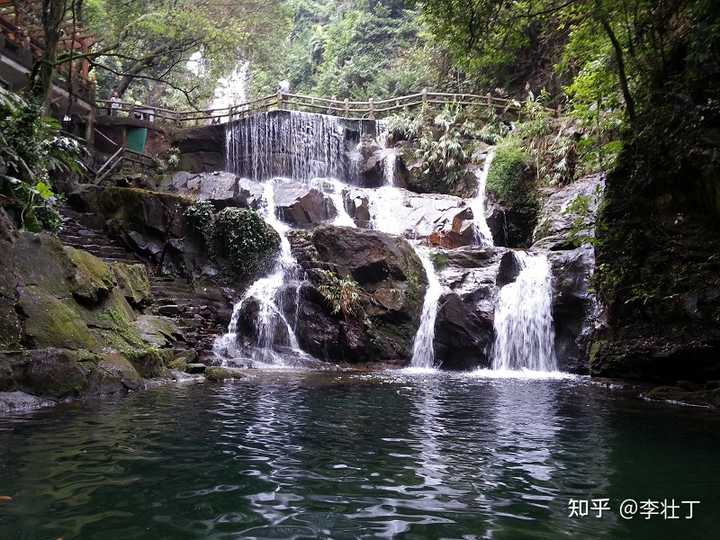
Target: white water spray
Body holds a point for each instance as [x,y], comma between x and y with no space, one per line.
[266,291]
[524,334]
[483,235]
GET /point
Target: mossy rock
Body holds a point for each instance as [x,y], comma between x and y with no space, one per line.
[51,322]
[133,281]
[151,362]
[157,330]
[93,279]
[58,373]
[40,260]
[217,373]
[113,374]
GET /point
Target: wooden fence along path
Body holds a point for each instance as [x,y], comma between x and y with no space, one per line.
[370,110]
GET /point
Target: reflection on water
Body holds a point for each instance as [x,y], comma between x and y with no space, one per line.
[317,455]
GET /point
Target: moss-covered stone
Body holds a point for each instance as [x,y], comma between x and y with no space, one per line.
[51,322]
[40,260]
[157,330]
[133,281]
[151,362]
[113,374]
[58,373]
[93,279]
[217,373]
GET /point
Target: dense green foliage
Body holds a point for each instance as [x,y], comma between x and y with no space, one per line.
[31,149]
[174,51]
[508,177]
[237,237]
[354,49]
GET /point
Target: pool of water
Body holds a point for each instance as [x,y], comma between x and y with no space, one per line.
[317,455]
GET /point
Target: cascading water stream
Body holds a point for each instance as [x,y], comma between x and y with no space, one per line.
[423,347]
[483,235]
[384,204]
[334,190]
[524,334]
[266,291]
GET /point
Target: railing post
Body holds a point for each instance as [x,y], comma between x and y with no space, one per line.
[347,108]
[281,99]
[424,96]
[489,101]
[372,109]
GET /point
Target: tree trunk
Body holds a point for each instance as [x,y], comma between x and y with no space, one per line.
[622,74]
[43,72]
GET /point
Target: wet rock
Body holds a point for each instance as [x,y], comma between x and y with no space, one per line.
[509,269]
[223,189]
[370,157]
[384,274]
[216,373]
[575,308]
[21,401]
[302,205]
[464,326]
[51,372]
[114,374]
[444,220]
[567,216]
[511,226]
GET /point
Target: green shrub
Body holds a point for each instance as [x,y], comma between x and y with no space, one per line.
[508,178]
[31,149]
[237,237]
[244,240]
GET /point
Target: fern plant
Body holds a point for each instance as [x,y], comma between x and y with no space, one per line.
[343,294]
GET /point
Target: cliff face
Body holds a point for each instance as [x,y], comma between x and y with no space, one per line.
[659,241]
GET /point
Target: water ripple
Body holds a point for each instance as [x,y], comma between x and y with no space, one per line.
[307,455]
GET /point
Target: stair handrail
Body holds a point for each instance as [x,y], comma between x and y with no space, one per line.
[109,165]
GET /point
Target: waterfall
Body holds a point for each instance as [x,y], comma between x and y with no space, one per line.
[334,190]
[384,204]
[295,145]
[483,236]
[524,334]
[266,291]
[390,156]
[232,90]
[423,346]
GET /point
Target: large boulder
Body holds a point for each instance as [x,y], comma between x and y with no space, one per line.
[444,220]
[464,326]
[65,312]
[220,188]
[385,281]
[510,225]
[302,205]
[567,216]
[575,308]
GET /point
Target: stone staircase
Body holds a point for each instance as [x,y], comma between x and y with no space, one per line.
[198,312]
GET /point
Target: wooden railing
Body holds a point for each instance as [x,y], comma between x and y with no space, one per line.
[370,109]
